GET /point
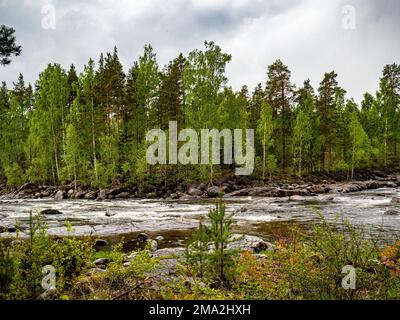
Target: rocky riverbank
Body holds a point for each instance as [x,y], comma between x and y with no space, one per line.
[229,186]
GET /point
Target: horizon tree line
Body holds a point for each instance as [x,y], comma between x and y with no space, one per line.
[90,127]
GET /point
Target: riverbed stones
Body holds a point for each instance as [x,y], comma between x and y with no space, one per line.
[51,212]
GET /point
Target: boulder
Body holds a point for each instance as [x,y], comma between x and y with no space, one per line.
[151,244]
[50,212]
[392,212]
[11,228]
[186,197]
[28,187]
[213,192]
[249,243]
[91,195]
[101,262]
[122,195]
[194,192]
[100,243]
[59,195]
[143,237]
[79,195]
[316,189]
[110,213]
[114,191]
[102,195]
[396,200]
[160,238]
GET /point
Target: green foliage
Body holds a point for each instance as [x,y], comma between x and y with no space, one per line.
[206,253]
[14,174]
[90,127]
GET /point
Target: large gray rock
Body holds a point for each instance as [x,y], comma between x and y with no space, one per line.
[91,195]
[100,242]
[143,237]
[194,192]
[249,243]
[186,197]
[101,261]
[122,195]
[59,195]
[102,195]
[213,192]
[151,245]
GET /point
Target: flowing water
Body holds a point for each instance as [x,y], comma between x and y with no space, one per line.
[264,217]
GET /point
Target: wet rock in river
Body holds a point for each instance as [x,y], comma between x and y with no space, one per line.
[151,245]
[186,197]
[316,189]
[100,243]
[59,195]
[50,212]
[143,237]
[101,262]
[110,213]
[194,192]
[122,195]
[396,200]
[160,238]
[213,192]
[392,212]
[91,195]
[102,195]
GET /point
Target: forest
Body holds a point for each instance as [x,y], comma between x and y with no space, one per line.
[89,126]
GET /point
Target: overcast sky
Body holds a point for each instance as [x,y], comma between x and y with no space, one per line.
[307,35]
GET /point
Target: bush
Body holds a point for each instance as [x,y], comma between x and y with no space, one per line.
[14,174]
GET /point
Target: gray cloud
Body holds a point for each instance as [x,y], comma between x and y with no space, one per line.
[306,34]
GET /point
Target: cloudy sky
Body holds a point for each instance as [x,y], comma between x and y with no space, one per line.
[310,36]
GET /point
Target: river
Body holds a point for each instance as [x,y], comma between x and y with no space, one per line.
[264,217]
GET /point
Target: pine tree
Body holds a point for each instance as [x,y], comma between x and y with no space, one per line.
[328,116]
[8,46]
[280,96]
